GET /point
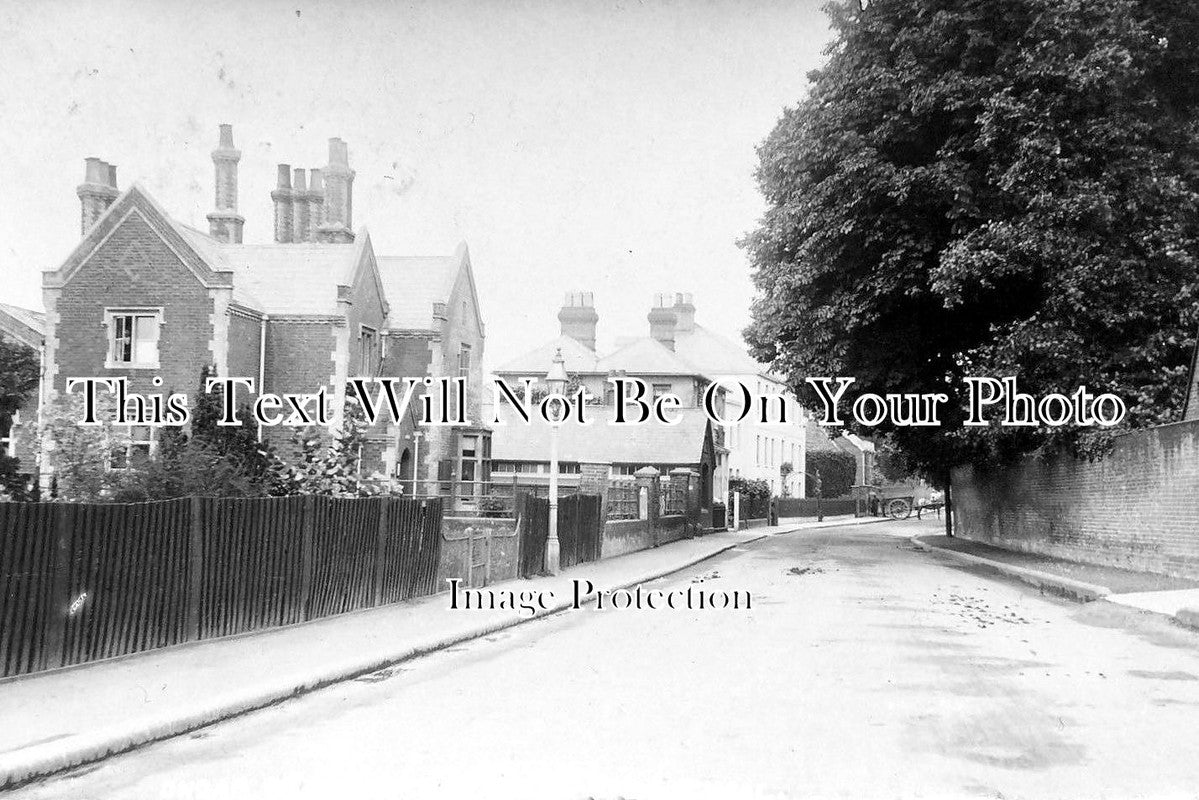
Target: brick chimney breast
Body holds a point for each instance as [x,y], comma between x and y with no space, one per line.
[663,320]
[300,228]
[282,199]
[339,195]
[97,192]
[316,203]
[224,222]
[579,319]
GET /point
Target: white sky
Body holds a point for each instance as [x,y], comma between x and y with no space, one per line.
[597,146]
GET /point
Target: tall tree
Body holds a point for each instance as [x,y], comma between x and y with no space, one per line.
[989,187]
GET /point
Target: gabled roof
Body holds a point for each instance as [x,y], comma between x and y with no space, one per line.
[715,354]
[648,444]
[579,359]
[413,284]
[136,200]
[647,356]
[23,324]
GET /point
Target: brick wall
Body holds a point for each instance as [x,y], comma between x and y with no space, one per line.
[134,268]
[299,358]
[245,338]
[1138,508]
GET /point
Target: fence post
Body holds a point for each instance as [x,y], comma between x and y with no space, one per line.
[195,568]
[381,547]
[60,601]
[306,546]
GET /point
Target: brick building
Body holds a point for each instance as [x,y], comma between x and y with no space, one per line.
[18,435]
[151,299]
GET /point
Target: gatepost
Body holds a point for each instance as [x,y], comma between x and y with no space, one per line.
[647,499]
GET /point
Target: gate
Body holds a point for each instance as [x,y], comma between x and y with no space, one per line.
[533,519]
[580,529]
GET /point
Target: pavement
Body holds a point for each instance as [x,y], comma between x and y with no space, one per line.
[62,718]
[1174,598]
[864,668]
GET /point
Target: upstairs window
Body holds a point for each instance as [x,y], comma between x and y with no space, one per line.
[133,337]
[464,361]
[371,354]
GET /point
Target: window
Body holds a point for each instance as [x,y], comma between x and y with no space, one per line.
[661,389]
[132,446]
[7,443]
[133,337]
[464,361]
[469,453]
[368,340]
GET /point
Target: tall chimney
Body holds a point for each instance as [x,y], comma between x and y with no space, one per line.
[662,320]
[225,223]
[684,312]
[97,192]
[282,197]
[579,318]
[316,202]
[339,195]
[299,206]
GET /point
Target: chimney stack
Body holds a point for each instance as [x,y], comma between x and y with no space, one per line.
[224,223]
[299,206]
[282,198]
[662,319]
[316,202]
[579,318]
[339,196]
[97,192]
[684,312]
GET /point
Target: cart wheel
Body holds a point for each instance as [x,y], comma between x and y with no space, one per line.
[898,508]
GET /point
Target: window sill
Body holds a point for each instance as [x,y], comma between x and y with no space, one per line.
[112,365]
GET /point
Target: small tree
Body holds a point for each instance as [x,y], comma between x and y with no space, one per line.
[81,454]
[785,470]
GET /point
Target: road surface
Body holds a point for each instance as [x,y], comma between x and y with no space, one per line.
[863,669]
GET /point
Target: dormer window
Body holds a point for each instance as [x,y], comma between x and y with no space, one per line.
[132,337]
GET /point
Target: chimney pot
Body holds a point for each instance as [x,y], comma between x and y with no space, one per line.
[284,181]
[578,318]
[298,182]
[97,192]
[226,138]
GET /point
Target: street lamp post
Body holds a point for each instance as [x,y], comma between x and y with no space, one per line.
[555,381]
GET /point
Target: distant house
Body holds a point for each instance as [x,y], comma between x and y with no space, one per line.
[18,436]
[156,301]
[862,451]
[695,443]
[521,452]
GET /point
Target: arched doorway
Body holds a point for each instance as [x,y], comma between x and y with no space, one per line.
[404,472]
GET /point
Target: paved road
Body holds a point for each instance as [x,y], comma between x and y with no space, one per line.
[864,669]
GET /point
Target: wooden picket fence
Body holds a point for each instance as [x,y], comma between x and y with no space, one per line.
[81,582]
